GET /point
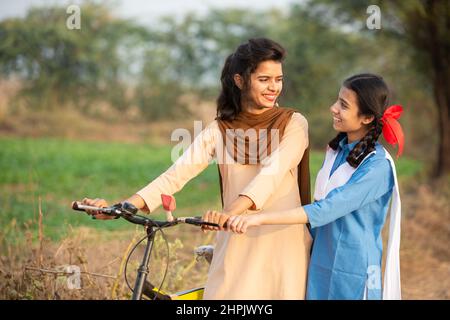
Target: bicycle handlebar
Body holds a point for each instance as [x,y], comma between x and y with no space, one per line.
[128,212]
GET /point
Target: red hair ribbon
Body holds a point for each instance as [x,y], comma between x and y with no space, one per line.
[392,131]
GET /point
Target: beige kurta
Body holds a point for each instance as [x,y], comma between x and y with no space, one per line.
[267,262]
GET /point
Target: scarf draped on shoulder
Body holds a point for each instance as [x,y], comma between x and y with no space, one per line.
[249,138]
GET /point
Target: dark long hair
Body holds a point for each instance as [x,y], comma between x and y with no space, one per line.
[372,97]
[244,61]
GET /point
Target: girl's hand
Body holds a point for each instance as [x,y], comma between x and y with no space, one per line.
[215,217]
[97,203]
[240,223]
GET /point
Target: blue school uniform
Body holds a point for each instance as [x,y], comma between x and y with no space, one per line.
[346,226]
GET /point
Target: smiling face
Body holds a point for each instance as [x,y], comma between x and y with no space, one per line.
[346,115]
[265,86]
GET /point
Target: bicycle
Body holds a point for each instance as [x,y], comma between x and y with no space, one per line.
[142,286]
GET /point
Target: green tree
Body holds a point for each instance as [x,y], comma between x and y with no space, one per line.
[58,65]
[187,55]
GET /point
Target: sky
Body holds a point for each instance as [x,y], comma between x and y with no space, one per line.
[147,10]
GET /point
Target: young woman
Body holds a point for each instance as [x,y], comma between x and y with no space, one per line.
[248,267]
[352,194]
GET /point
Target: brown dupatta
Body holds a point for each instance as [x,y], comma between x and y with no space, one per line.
[274,118]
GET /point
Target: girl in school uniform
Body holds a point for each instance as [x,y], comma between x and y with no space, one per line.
[352,195]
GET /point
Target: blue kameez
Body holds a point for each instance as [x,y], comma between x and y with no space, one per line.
[346,226]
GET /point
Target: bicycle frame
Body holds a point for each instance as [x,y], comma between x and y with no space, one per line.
[143,268]
[142,286]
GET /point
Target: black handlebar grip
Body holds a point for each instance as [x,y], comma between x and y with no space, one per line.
[75,206]
[129,208]
[209,223]
[198,222]
[194,221]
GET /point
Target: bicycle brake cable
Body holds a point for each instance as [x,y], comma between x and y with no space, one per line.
[168,259]
[134,248]
[128,260]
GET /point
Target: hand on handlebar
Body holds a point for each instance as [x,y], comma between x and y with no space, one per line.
[215,217]
[233,223]
[240,223]
[101,203]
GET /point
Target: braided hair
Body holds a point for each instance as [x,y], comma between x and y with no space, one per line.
[373,97]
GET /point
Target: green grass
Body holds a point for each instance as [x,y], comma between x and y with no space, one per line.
[59,171]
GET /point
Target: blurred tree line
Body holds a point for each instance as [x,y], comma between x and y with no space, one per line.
[126,65]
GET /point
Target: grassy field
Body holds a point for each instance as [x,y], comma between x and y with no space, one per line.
[57,171]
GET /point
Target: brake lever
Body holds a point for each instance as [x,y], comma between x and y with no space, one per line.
[129,208]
